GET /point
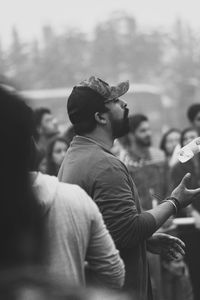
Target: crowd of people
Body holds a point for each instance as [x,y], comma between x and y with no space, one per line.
[89,213]
[156,171]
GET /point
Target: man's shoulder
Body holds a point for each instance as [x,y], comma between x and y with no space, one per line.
[93,158]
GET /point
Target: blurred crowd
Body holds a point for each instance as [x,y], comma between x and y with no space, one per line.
[70,233]
[156,171]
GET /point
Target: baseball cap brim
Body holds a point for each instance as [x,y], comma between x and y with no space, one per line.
[119,90]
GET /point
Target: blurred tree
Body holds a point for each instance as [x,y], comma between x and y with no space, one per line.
[144,54]
[18,58]
[120,48]
[50,60]
[2,60]
[74,51]
[105,51]
[63,57]
[182,68]
[35,65]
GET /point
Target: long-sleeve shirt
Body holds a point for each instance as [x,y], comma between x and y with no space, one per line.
[107,180]
[76,235]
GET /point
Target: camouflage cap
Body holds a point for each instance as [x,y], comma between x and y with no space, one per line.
[104,89]
[90,95]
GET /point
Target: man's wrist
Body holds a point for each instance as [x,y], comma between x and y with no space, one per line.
[174,202]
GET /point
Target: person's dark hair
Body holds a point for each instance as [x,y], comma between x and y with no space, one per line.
[37,117]
[21,221]
[183,132]
[135,121]
[82,105]
[164,138]
[193,110]
[88,126]
[52,169]
[85,127]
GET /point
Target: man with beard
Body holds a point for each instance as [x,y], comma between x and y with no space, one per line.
[99,116]
[148,167]
[140,139]
[46,128]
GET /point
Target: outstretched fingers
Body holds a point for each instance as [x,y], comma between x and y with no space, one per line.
[194,192]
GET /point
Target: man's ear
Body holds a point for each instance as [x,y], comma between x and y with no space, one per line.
[100,118]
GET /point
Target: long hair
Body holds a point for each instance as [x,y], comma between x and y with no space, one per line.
[164,138]
[21,221]
[52,168]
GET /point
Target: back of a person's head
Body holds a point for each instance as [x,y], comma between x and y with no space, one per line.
[192,111]
[135,121]
[16,127]
[20,215]
[37,117]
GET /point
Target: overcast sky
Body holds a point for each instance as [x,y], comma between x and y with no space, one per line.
[30,15]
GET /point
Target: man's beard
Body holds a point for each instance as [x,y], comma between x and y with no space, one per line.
[121,127]
[144,142]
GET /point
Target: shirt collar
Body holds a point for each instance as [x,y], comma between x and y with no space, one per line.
[87,140]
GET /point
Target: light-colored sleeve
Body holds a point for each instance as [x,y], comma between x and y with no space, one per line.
[103,258]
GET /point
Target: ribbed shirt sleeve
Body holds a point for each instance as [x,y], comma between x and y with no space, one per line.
[114,194]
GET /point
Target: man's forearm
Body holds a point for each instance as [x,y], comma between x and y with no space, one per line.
[161,213]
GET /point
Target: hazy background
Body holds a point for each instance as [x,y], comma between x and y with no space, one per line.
[57,43]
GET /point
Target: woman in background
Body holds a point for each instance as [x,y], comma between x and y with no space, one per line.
[169,142]
[55,155]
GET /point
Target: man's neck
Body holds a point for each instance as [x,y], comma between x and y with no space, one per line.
[100,137]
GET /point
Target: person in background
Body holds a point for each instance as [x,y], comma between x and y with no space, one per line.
[55,154]
[192,166]
[175,277]
[193,115]
[169,142]
[80,249]
[49,230]
[22,228]
[140,148]
[46,127]
[148,168]
[146,164]
[100,116]
[190,234]
[21,222]
[187,135]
